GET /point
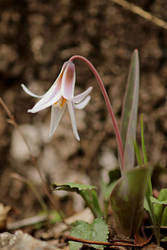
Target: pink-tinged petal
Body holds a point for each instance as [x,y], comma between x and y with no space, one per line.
[68,81]
[63,67]
[82,104]
[40,106]
[80,97]
[29,92]
[56,115]
[52,96]
[73,121]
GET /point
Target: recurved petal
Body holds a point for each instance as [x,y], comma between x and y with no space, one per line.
[73,121]
[29,92]
[52,96]
[68,81]
[80,97]
[82,104]
[56,115]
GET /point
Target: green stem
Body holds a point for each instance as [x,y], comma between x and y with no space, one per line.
[151,208]
[92,202]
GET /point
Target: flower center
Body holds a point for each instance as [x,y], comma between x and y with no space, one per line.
[61,102]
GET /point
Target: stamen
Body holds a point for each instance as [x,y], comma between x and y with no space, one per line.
[55,103]
[63,101]
[60,102]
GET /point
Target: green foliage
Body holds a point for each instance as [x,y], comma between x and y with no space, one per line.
[157,208]
[97,231]
[157,201]
[129,114]
[127,197]
[72,187]
[160,207]
[148,202]
[107,188]
[87,192]
[127,200]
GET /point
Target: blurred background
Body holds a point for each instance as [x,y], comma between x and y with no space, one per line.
[36,37]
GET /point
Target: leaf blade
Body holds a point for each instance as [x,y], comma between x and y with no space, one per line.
[97,231]
[127,200]
[129,114]
[87,192]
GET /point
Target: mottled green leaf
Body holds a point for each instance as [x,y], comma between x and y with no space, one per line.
[127,200]
[72,187]
[97,231]
[87,192]
[129,114]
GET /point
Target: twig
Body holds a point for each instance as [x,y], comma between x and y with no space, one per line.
[34,162]
[124,243]
[27,222]
[139,11]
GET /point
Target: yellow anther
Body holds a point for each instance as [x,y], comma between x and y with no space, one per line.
[56,103]
[63,101]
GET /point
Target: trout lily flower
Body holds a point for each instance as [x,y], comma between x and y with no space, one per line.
[60,95]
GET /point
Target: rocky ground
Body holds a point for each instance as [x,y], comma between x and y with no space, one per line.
[36,37]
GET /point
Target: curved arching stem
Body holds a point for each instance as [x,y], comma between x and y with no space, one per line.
[108,104]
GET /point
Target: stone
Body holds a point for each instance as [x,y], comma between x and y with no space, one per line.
[22,241]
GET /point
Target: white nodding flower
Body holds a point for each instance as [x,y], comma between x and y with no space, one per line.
[60,95]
